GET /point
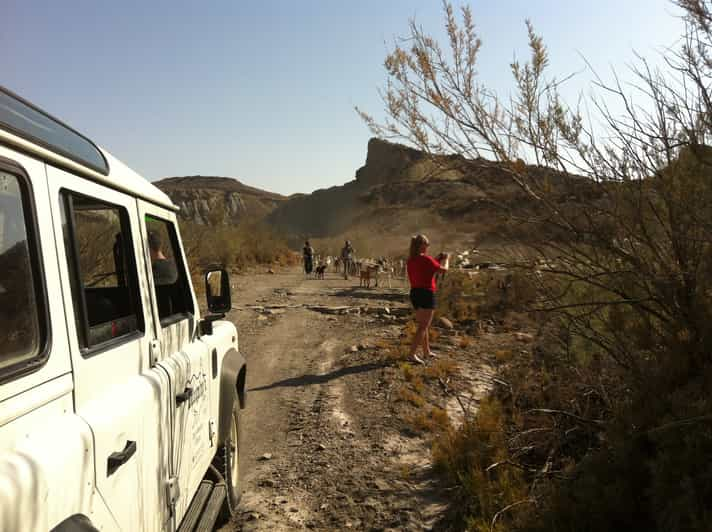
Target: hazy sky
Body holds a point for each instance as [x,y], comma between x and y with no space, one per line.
[264,90]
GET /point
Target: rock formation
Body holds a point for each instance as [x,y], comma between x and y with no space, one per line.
[217,200]
[398,191]
[387,162]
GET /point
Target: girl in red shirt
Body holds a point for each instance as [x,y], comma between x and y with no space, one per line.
[421,274]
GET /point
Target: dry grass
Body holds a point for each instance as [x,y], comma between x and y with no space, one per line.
[410,396]
[434,420]
[234,246]
[503,355]
[465,341]
[434,335]
[395,354]
[442,368]
[466,457]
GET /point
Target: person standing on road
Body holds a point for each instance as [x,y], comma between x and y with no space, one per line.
[347,257]
[421,275]
[308,258]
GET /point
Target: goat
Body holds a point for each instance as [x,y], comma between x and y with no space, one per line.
[366,273]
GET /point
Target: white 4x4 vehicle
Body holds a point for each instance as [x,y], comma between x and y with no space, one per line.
[119,404]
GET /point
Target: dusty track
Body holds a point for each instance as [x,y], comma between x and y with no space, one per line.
[319,412]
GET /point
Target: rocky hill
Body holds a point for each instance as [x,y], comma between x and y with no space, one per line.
[398,191]
[211,200]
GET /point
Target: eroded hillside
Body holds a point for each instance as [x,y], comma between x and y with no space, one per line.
[218,200]
[398,191]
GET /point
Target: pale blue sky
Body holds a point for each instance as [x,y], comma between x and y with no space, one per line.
[264,90]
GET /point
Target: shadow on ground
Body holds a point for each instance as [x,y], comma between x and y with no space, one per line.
[320,379]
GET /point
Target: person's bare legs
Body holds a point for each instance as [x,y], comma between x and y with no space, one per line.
[426,335]
[417,341]
[426,341]
[423,317]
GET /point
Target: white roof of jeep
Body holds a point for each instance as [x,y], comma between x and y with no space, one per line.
[122,177]
[32,130]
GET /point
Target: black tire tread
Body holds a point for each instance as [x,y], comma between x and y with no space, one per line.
[222,463]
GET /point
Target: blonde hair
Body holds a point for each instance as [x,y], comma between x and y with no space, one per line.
[416,243]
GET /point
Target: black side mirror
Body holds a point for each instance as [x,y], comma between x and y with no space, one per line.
[217,291]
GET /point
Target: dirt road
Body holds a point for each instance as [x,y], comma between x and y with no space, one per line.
[322,448]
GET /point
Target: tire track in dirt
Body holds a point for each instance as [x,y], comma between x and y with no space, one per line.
[322,413]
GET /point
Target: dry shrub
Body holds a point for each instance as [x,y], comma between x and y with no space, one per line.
[473,458]
[608,425]
[414,398]
[395,354]
[382,343]
[409,330]
[442,368]
[234,246]
[503,355]
[434,420]
[418,384]
[409,371]
[466,296]
[465,341]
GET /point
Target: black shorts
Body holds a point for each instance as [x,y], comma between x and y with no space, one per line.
[422,298]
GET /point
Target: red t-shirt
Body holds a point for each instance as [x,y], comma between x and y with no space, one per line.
[421,272]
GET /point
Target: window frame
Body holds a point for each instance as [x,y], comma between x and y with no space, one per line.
[39,280]
[103,169]
[77,287]
[180,265]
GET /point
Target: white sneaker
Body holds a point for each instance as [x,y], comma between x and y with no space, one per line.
[433,354]
[418,359]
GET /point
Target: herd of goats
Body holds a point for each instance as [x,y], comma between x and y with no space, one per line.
[382,269]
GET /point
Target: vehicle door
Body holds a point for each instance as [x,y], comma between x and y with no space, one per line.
[182,354]
[116,390]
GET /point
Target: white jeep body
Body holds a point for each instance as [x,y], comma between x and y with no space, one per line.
[146,385]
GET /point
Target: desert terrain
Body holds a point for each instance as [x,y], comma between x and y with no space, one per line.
[326,443]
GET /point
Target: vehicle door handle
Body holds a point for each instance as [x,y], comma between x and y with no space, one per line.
[119,458]
[183,397]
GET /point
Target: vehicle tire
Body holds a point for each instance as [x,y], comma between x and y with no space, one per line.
[76,523]
[227,462]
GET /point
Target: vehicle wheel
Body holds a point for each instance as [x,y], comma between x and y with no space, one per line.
[227,462]
[76,523]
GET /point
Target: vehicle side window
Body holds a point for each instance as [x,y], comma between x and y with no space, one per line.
[169,275]
[102,269]
[23,323]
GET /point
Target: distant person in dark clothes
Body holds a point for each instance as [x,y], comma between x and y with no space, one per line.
[421,274]
[347,258]
[308,258]
[164,269]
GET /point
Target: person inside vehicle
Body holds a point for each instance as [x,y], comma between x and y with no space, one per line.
[422,269]
[164,269]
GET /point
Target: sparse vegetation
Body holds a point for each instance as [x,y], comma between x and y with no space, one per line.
[606,424]
[429,420]
[234,246]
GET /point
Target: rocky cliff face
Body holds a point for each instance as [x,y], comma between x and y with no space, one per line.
[401,191]
[398,191]
[218,200]
[387,162]
[395,191]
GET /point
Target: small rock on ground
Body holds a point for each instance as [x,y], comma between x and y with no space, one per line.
[444,322]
